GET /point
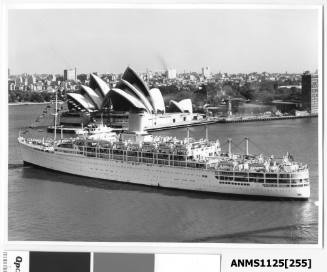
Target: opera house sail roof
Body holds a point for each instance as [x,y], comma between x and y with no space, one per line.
[134,91]
[81,102]
[124,101]
[157,100]
[184,105]
[98,85]
[93,96]
[131,92]
[133,78]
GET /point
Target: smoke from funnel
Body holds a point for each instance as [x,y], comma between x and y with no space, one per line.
[162,62]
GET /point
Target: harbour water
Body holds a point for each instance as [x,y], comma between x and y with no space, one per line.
[51,206]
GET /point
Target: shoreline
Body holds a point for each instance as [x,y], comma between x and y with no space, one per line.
[27,103]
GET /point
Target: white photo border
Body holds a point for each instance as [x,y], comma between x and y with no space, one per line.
[141,247]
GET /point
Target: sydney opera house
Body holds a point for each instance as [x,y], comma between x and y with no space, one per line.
[131,96]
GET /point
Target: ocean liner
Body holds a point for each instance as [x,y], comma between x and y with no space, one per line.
[199,165]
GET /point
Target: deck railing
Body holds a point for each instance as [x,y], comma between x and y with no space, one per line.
[267,179]
[137,157]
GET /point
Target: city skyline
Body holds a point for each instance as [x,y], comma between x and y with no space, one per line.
[48,41]
[162,72]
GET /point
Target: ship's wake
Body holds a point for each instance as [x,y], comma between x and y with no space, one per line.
[298,233]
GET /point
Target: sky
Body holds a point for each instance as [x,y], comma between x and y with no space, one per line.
[108,40]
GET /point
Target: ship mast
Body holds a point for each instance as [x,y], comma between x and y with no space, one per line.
[207,134]
[229,140]
[188,135]
[246,146]
[55,120]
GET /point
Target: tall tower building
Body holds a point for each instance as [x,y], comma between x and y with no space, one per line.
[70,74]
[310,92]
[206,73]
[171,73]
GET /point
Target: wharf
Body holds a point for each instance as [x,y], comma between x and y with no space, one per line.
[207,121]
[233,119]
[237,119]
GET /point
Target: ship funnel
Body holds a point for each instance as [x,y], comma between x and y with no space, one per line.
[246,146]
[137,120]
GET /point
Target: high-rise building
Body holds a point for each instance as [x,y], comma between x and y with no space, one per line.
[171,73]
[70,74]
[206,73]
[310,92]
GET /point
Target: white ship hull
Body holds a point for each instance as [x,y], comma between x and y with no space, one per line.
[151,174]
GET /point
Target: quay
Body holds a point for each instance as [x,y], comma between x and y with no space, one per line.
[206,121]
[232,119]
[263,118]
